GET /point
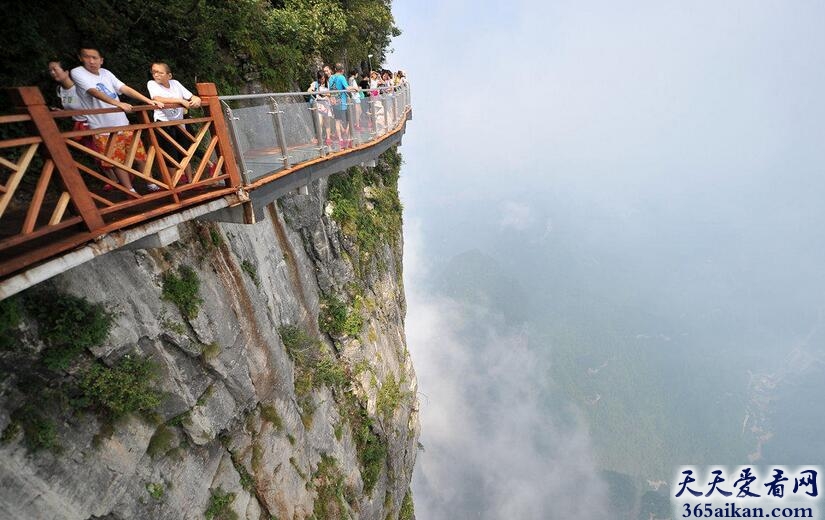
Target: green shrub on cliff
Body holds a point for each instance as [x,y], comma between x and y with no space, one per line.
[366,204]
[407,508]
[39,432]
[219,507]
[333,495]
[336,319]
[67,324]
[182,288]
[9,320]
[124,388]
[389,397]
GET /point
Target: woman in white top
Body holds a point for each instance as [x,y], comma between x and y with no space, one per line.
[323,107]
[167,90]
[354,77]
[67,92]
[69,100]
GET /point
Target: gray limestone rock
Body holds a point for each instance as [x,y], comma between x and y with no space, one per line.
[234,419]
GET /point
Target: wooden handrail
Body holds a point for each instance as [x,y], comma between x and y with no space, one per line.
[59,195]
[66,190]
[32,100]
[84,112]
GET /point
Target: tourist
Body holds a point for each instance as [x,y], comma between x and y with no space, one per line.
[98,88]
[170,91]
[339,106]
[357,95]
[321,102]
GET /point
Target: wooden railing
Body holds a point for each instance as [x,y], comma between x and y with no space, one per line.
[57,191]
[54,194]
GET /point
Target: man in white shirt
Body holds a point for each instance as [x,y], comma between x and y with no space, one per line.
[98,88]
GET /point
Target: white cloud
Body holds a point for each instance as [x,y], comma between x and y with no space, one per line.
[491,449]
[516,215]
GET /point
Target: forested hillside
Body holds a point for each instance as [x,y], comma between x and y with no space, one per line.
[240,45]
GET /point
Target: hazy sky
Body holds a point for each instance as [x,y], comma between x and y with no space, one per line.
[648,131]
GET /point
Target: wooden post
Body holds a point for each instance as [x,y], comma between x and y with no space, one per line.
[35,105]
[164,170]
[212,105]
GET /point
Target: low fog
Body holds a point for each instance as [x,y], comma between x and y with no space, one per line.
[614,262]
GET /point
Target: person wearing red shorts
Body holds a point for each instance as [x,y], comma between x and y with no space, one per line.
[67,93]
[98,88]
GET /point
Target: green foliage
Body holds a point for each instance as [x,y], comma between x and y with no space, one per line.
[257,456]
[297,468]
[247,481]
[315,366]
[39,432]
[10,432]
[372,452]
[271,415]
[182,288]
[204,397]
[122,389]
[298,343]
[389,397]
[208,235]
[155,490]
[219,507]
[354,323]
[161,441]
[336,319]
[328,480]
[68,324]
[10,312]
[174,326]
[333,316]
[215,237]
[374,221]
[211,351]
[228,43]
[180,419]
[407,507]
[361,367]
[330,372]
[251,271]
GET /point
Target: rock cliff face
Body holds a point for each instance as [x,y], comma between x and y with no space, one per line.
[249,371]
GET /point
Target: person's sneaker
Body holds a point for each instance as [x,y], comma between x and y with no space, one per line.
[342,144]
[152,187]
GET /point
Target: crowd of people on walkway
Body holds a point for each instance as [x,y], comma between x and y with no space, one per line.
[332,94]
[89,86]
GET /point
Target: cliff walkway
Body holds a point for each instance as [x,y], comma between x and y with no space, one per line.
[58,209]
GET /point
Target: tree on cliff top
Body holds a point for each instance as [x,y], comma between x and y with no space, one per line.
[274,44]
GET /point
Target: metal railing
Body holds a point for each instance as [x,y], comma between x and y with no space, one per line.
[57,191]
[276,132]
